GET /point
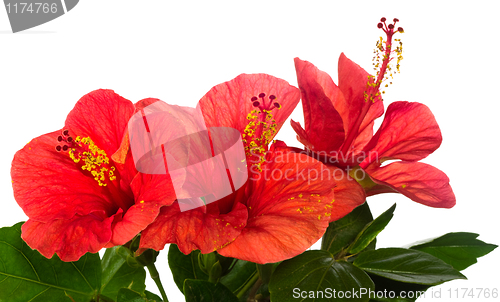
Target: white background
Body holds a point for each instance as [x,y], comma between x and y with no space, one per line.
[177,52]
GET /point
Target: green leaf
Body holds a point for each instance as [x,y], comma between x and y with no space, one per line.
[117,273]
[184,266]
[460,250]
[128,295]
[342,232]
[406,265]
[240,274]
[26,275]
[314,275]
[371,230]
[215,273]
[199,290]
[152,297]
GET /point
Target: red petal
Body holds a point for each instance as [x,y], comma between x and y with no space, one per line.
[323,123]
[103,116]
[48,185]
[120,155]
[151,193]
[352,83]
[409,132]
[289,210]
[144,103]
[194,229]
[69,238]
[301,135]
[366,128]
[418,181]
[229,103]
[348,194]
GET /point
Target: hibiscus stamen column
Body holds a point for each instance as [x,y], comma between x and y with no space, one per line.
[372,93]
[260,129]
[95,163]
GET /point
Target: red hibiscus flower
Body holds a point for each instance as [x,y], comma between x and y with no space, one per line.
[339,129]
[77,198]
[280,210]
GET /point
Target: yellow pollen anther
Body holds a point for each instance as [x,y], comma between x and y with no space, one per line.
[92,159]
[260,130]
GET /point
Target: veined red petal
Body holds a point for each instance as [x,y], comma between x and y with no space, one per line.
[420,182]
[151,193]
[353,83]
[120,155]
[144,103]
[228,104]
[103,116]
[302,136]
[48,185]
[409,132]
[366,128]
[324,125]
[194,229]
[69,238]
[289,209]
[348,194]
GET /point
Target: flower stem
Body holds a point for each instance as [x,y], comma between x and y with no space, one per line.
[156,278]
[248,285]
[253,291]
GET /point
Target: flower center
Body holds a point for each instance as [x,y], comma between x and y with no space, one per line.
[260,129]
[94,162]
[88,157]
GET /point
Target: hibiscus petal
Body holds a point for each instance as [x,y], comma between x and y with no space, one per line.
[409,132]
[120,155]
[301,135]
[324,125]
[420,182]
[228,104]
[194,229]
[144,103]
[48,185]
[366,128]
[348,194]
[289,209]
[88,233]
[151,193]
[353,83]
[103,116]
